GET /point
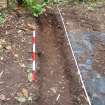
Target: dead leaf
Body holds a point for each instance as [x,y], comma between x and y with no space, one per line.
[19,31]
[8,48]
[25,92]
[31,27]
[22,65]
[0,46]
[19,94]
[30,99]
[21,99]
[1,82]
[53,89]
[2,41]
[1,73]
[29,76]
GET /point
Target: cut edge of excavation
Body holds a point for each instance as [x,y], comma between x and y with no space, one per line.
[70,46]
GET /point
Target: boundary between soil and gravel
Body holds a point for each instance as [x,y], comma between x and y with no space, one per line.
[69,42]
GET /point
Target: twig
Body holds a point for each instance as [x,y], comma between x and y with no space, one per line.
[58,97]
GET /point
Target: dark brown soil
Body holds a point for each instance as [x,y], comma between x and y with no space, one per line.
[80,19]
[99,57]
[58,80]
[83,20]
[60,83]
[15,38]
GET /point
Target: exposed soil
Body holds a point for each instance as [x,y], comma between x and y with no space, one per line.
[15,55]
[58,80]
[60,83]
[80,19]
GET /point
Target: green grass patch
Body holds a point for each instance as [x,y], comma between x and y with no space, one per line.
[2,18]
[37,8]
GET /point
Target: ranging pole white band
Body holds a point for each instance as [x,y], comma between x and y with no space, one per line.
[34,33]
[34,47]
[34,66]
[67,36]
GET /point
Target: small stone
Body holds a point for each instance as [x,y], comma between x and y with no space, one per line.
[8,47]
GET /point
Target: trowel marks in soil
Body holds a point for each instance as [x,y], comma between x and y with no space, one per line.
[59,80]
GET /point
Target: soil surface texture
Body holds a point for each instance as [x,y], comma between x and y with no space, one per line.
[58,82]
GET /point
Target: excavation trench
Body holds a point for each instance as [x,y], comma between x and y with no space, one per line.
[59,82]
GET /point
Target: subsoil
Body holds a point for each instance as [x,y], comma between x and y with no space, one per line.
[58,82]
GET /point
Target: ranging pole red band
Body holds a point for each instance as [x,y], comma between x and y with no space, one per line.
[33,40]
[34,76]
[33,56]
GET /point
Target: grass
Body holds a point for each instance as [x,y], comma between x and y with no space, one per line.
[35,7]
[2,18]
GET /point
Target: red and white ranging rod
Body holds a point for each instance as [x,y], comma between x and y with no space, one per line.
[34,75]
